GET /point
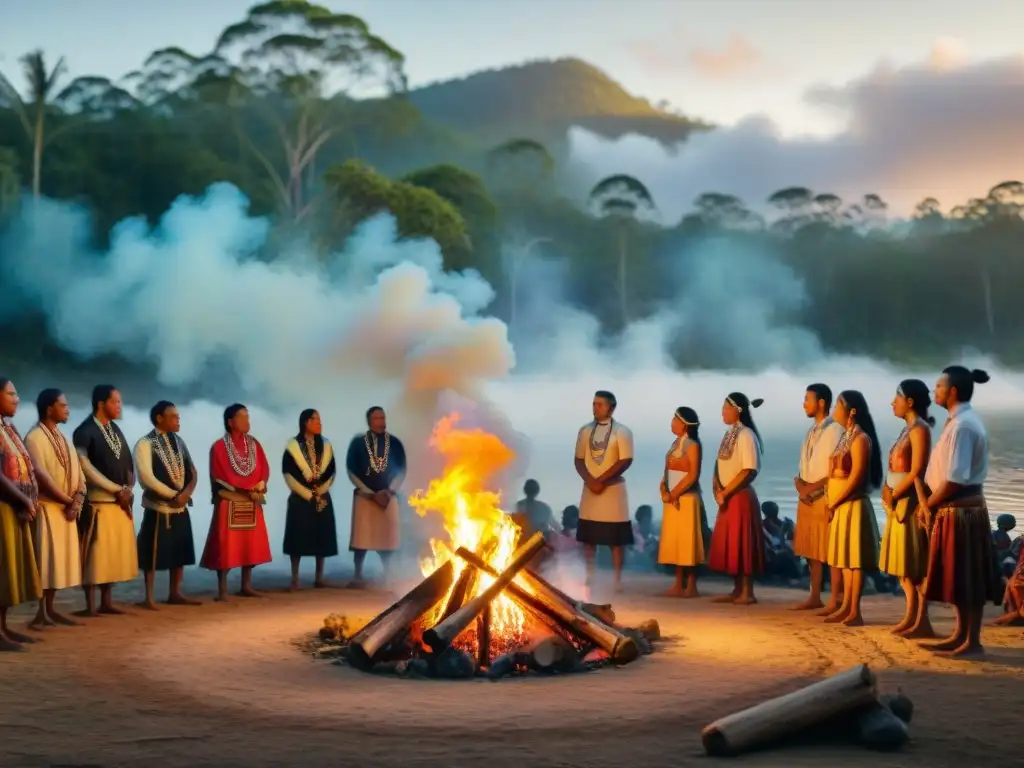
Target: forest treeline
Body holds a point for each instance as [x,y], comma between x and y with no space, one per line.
[308,112]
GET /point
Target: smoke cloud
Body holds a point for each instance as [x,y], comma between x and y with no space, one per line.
[944,128]
[380,323]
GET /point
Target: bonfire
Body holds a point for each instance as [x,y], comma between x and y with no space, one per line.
[480,608]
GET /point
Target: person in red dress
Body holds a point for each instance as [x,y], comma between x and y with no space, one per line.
[737,544]
[238,480]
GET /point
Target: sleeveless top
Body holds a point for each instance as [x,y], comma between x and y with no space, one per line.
[841,463]
[901,456]
[673,477]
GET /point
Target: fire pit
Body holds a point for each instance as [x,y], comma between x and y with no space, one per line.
[480,608]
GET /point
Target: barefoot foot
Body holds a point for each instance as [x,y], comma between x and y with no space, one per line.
[86,613]
[920,632]
[690,594]
[810,604]
[724,599]
[180,599]
[964,651]
[949,644]
[63,620]
[853,621]
[21,637]
[248,592]
[7,645]
[837,617]
[828,610]
[745,600]
[110,610]
[1011,619]
[149,605]
[673,592]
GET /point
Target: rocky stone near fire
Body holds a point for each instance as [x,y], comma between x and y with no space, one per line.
[881,730]
[651,630]
[645,645]
[454,664]
[899,704]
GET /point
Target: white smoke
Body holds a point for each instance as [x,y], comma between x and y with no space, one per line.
[943,128]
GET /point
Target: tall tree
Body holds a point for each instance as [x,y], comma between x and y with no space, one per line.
[41,86]
[10,181]
[622,197]
[304,61]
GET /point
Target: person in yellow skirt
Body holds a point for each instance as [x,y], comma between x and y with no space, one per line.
[19,505]
[683,518]
[905,542]
[855,471]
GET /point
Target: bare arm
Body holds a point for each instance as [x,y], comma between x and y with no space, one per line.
[859,453]
[615,471]
[738,483]
[920,447]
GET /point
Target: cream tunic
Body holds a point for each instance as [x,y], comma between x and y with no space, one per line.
[56,538]
[745,455]
[819,444]
[612,506]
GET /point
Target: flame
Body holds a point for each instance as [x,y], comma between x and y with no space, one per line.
[472,518]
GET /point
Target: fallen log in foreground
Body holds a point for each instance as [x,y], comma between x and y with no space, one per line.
[786,715]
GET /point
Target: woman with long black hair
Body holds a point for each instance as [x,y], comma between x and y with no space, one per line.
[905,541]
[737,544]
[309,471]
[855,471]
[683,515]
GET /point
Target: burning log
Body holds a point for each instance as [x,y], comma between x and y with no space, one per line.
[551,653]
[483,636]
[549,603]
[468,579]
[441,635]
[368,641]
[786,715]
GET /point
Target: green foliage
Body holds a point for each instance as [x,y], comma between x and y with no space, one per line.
[307,112]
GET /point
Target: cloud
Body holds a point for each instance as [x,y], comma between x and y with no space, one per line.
[737,58]
[910,132]
[947,53]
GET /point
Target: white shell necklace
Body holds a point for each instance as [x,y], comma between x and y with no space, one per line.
[109,432]
[243,466]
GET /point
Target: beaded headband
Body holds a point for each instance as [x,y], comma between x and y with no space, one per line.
[734,404]
[687,423]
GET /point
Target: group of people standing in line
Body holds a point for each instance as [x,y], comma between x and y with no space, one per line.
[67,506]
[937,537]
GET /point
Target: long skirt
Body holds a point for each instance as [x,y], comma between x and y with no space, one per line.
[737,543]
[374,529]
[165,541]
[810,537]
[58,551]
[19,576]
[682,533]
[904,544]
[307,532]
[961,566]
[236,539]
[109,555]
[853,533]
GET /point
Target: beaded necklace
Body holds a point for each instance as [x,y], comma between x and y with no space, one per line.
[110,435]
[243,466]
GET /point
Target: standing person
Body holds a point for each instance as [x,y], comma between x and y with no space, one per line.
[737,543]
[683,515]
[168,478]
[309,471]
[19,507]
[61,498]
[961,567]
[532,514]
[107,526]
[810,540]
[604,451]
[238,480]
[856,470]
[376,466]
[905,541]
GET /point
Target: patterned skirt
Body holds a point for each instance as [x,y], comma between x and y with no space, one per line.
[961,566]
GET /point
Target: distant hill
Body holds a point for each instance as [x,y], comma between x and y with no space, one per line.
[541,100]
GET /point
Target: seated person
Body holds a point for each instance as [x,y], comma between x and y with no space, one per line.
[565,540]
[779,558]
[532,514]
[645,542]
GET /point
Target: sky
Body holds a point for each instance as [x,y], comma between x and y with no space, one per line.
[720,60]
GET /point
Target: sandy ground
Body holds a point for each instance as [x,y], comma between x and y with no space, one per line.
[226,685]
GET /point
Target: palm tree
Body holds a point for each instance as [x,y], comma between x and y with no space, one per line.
[41,85]
[621,197]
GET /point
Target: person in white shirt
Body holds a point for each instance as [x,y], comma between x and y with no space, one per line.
[604,451]
[810,539]
[961,567]
[737,543]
